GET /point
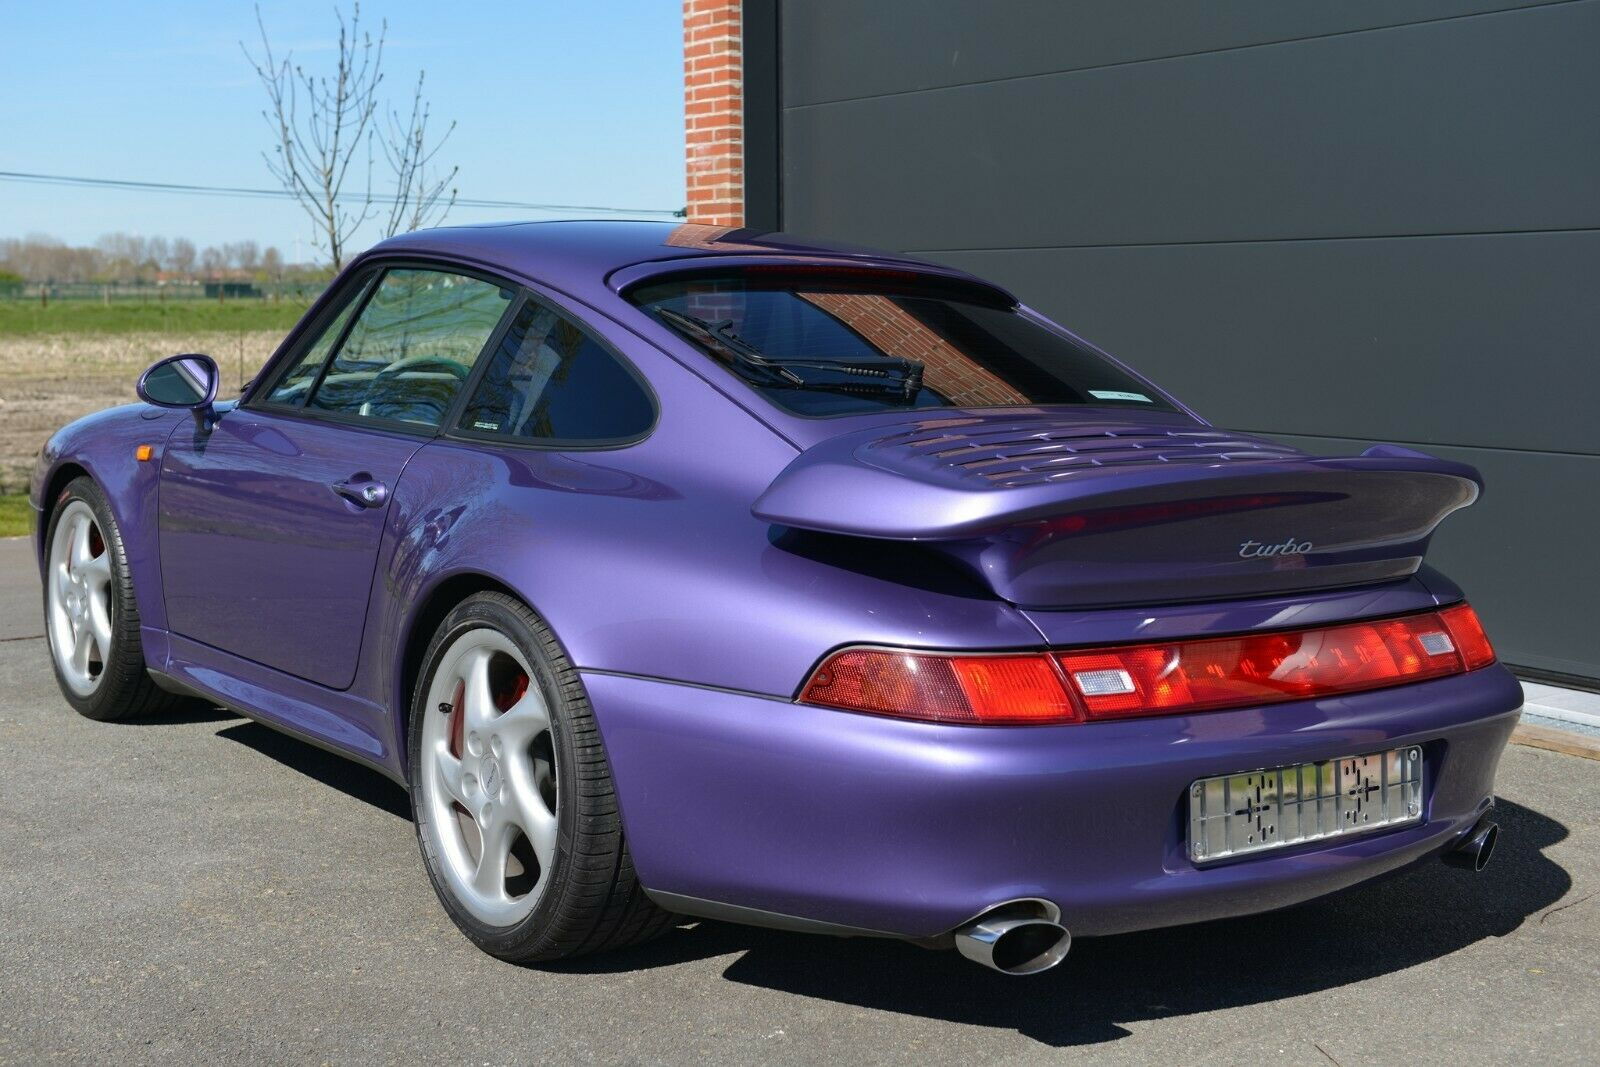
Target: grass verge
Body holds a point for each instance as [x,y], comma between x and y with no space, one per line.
[27,318]
[13,514]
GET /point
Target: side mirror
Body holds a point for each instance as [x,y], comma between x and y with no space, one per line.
[188,380]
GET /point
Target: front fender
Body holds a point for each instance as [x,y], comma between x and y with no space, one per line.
[104,446]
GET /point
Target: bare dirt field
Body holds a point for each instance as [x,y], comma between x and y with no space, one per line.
[48,380]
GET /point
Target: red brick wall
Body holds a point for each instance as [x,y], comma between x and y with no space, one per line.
[890,329]
[713,78]
[701,235]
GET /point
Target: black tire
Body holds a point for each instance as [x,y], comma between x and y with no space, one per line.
[124,690]
[593,901]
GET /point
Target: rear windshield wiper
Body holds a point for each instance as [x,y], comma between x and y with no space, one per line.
[892,374]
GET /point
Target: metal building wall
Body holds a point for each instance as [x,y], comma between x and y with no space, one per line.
[1377,220]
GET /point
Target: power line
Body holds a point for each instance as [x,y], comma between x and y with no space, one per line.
[284,194]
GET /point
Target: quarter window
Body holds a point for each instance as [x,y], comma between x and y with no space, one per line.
[551,380]
[412,347]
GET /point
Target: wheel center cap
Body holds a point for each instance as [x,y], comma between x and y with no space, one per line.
[491,778]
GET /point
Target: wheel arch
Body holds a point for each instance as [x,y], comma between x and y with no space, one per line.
[65,473]
[106,448]
[421,625]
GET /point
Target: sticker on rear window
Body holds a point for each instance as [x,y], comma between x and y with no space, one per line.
[1112,394]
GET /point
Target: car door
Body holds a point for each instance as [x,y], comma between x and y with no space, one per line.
[270,523]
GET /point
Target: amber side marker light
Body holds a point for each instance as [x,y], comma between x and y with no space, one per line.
[143,453]
[1169,678]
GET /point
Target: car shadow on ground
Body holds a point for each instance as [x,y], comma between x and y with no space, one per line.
[336,772]
[1379,928]
[191,712]
[1371,930]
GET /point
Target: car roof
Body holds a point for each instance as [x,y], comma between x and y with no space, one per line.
[582,253]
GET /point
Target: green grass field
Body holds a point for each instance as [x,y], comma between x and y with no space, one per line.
[13,515]
[28,318]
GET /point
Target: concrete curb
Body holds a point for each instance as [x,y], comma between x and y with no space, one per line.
[1567,742]
[1566,705]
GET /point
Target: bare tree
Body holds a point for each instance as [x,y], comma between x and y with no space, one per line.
[39,257]
[242,255]
[419,197]
[321,124]
[181,257]
[157,253]
[123,257]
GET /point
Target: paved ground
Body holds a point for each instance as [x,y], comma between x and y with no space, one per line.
[205,890]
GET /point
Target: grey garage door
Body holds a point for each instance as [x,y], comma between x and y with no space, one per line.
[1376,220]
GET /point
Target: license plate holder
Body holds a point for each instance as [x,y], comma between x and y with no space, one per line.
[1240,814]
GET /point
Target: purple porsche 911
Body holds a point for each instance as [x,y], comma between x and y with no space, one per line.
[678,571]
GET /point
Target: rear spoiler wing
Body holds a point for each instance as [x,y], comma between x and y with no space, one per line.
[1262,519]
[840,486]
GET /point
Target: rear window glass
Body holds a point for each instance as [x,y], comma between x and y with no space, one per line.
[820,345]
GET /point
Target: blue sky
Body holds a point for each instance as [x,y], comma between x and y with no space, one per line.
[555,102]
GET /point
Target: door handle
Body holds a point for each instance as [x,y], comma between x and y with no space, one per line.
[363,490]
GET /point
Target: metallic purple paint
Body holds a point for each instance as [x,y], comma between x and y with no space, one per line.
[936,479]
[258,556]
[694,622]
[102,445]
[912,828]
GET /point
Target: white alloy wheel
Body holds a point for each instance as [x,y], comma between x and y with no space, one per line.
[79,599]
[488,775]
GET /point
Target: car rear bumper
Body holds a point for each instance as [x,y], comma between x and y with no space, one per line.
[909,829]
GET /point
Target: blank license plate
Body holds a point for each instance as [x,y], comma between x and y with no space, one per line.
[1236,814]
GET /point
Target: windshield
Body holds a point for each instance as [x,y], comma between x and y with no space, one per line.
[819,345]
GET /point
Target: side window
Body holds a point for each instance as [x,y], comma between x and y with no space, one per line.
[550,380]
[294,386]
[412,347]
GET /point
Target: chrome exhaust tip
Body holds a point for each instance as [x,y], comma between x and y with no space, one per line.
[1018,937]
[1473,853]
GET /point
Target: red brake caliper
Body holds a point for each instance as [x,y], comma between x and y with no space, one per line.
[458,721]
[507,700]
[458,718]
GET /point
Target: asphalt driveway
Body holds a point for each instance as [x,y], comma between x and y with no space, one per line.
[205,889]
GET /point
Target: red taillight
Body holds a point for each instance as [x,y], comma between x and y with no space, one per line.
[1158,679]
[1264,668]
[920,685]
[1467,633]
